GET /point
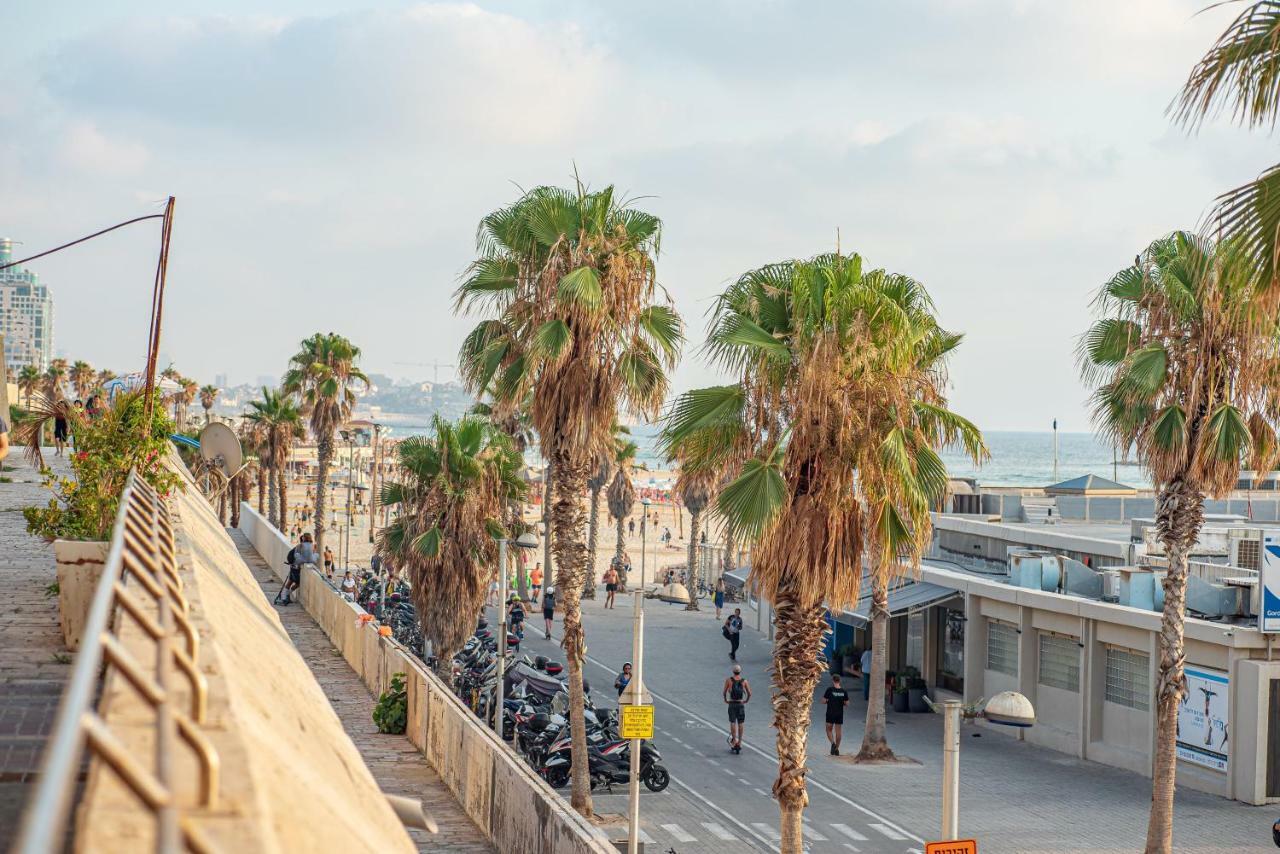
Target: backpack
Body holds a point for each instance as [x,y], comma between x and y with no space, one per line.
[293,553]
[736,691]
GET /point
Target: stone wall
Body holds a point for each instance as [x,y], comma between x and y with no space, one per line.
[515,808]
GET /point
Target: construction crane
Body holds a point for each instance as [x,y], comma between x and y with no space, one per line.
[434,365]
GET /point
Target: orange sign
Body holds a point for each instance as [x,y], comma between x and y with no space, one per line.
[958,846]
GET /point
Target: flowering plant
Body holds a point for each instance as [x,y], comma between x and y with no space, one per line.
[83,507]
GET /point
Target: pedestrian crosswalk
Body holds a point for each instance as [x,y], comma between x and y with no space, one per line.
[840,836]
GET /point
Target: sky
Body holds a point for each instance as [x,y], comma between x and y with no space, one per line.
[331,161]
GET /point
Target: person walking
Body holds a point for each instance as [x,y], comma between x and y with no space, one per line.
[624,679]
[737,693]
[631,527]
[4,438]
[328,563]
[300,556]
[719,596]
[535,579]
[732,631]
[59,433]
[835,699]
[549,608]
[610,586]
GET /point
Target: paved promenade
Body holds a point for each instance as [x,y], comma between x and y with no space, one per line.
[1015,797]
[396,764]
[34,664]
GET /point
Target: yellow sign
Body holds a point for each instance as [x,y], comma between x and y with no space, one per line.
[958,846]
[637,722]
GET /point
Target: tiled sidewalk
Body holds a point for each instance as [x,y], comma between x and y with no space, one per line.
[33,663]
[396,764]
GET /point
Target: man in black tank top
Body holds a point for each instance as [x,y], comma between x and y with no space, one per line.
[737,693]
[835,698]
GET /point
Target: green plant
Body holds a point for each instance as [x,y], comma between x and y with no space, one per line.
[52,590]
[83,507]
[391,714]
[61,658]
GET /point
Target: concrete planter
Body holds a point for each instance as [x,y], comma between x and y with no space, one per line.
[80,564]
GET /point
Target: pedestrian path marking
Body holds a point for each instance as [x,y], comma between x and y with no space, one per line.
[719,831]
[743,781]
[887,831]
[810,833]
[727,816]
[766,830]
[679,833]
[849,832]
[763,793]
[713,762]
[853,847]
[644,837]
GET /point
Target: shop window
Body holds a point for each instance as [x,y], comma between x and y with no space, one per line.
[1128,678]
[1059,662]
[1002,648]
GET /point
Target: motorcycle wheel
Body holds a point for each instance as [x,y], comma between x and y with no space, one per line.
[657,779]
[558,778]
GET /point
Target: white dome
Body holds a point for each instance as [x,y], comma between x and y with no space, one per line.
[1010,709]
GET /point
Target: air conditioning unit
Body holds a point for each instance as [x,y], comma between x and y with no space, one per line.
[1246,547]
[1110,585]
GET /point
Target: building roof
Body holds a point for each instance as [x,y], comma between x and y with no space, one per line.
[908,596]
[1089,484]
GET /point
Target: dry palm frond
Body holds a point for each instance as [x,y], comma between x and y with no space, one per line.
[42,409]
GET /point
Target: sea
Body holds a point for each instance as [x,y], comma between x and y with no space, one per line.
[1017,458]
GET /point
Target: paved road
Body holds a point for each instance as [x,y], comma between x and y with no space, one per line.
[1015,797]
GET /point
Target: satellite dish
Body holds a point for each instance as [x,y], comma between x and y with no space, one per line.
[221,449]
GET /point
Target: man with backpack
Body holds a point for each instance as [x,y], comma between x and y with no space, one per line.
[303,554]
[737,693]
[732,631]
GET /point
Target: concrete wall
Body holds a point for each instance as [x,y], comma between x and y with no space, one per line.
[1085,724]
[291,778]
[515,808]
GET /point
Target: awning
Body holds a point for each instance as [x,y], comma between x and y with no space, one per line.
[908,596]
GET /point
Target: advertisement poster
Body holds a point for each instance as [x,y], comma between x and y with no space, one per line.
[1203,737]
[1269,619]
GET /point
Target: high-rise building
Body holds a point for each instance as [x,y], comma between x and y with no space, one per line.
[26,315]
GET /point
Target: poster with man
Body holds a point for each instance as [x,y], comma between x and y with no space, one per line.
[1203,736]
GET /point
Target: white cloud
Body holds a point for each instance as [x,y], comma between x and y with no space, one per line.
[87,148]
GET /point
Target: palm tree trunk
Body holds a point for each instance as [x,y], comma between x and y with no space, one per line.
[875,740]
[283,489]
[271,500]
[796,671]
[571,565]
[324,453]
[692,575]
[621,550]
[237,495]
[593,526]
[1179,515]
[547,562]
[262,490]
[222,505]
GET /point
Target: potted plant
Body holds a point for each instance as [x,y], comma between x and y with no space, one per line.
[901,702]
[917,690]
[82,509]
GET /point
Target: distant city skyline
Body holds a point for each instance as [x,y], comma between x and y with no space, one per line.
[331,161]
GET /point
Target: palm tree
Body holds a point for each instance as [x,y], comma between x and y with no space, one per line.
[208,394]
[104,376]
[907,481]
[54,378]
[82,378]
[811,343]
[621,498]
[29,380]
[278,417]
[253,438]
[184,398]
[1182,358]
[596,483]
[324,376]
[1241,73]
[515,425]
[567,278]
[453,491]
[694,489]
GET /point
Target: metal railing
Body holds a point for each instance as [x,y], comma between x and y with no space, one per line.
[140,579]
[1213,573]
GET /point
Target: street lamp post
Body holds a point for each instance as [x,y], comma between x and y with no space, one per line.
[1008,708]
[635,690]
[524,541]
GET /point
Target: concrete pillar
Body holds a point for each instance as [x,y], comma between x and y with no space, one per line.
[975,649]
